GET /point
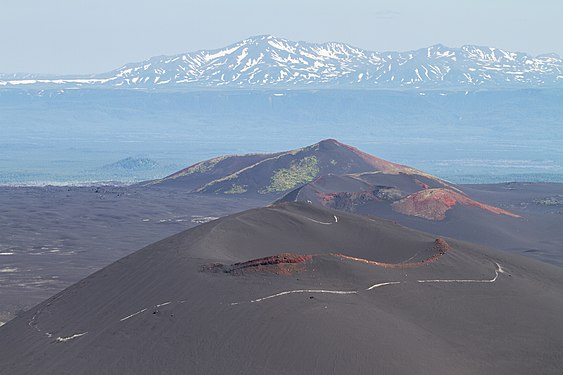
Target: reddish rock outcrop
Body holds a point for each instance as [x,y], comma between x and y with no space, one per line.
[440,248]
[422,184]
[389,167]
[282,264]
[432,204]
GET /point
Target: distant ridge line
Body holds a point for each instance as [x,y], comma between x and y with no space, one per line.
[265,61]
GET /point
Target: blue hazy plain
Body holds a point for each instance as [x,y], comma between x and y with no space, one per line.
[85,136]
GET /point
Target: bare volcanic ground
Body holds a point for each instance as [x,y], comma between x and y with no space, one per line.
[520,217]
[51,237]
[274,174]
[335,175]
[331,174]
[294,289]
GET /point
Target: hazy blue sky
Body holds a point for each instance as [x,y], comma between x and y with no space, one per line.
[93,36]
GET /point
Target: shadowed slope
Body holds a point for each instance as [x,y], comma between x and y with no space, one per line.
[413,195]
[471,311]
[506,219]
[330,173]
[301,229]
[274,174]
[203,172]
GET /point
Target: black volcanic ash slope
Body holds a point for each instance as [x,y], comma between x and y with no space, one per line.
[348,294]
[331,174]
[448,211]
[278,173]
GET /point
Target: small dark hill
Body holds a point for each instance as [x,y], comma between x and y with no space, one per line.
[294,289]
[131,164]
[302,229]
[454,211]
[275,174]
[420,203]
[409,194]
[330,174]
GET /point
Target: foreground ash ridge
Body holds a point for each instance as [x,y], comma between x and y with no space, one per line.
[305,278]
[328,174]
[226,296]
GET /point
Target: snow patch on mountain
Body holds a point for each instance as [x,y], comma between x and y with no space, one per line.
[267,61]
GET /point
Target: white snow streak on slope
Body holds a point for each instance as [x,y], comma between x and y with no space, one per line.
[146,308]
[306,291]
[318,222]
[68,338]
[383,284]
[498,269]
[132,315]
[221,53]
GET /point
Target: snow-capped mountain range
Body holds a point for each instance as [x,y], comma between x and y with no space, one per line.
[267,61]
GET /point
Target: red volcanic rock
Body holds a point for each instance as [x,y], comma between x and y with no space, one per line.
[380,164]
[422,184]
[345,200]
[282,264]
[432,204]
[326,199]
[286,264]
[388,167]
[440,248]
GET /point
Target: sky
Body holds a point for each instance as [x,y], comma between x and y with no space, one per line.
[95,36]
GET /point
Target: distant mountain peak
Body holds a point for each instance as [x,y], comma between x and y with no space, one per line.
[330,143]
[265,61]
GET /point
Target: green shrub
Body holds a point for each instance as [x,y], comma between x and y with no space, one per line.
[299,172]
[237,189]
